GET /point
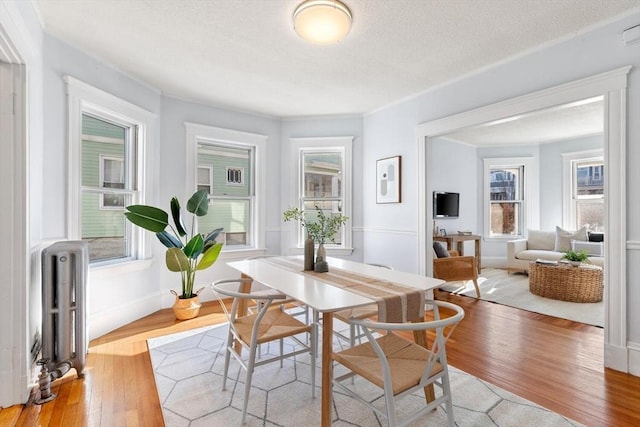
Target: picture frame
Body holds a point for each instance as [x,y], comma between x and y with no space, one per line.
[388,180]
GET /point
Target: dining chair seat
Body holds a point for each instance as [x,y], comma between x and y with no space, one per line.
[274,325]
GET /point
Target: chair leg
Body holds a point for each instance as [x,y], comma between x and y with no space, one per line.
[227,356]
[247,384]
[475,285]
[446,390]
[313,355]
[281,351]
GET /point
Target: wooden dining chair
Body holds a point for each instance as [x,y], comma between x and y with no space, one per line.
[269,323]
[400,366]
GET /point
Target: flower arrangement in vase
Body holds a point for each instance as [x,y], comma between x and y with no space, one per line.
[320,227]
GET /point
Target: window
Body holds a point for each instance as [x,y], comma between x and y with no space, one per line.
[506,181]
[234,176]
[111,176]
[584,190]
[107,139]
[228,162]
[323,176]
[204,180]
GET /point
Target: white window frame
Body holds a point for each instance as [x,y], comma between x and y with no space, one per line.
[569,204]
[530,217]
[344,145]
[102,171]
[84,98]
[196,133]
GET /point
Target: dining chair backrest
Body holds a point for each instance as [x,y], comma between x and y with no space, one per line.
[400,366]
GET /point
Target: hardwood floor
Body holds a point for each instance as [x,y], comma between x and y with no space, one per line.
[553,362]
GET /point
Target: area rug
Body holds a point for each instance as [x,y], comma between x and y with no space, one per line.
[188,372]
[512,289]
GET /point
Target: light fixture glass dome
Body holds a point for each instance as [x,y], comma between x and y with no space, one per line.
[322,21]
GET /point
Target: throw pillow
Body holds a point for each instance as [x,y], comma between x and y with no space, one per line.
[541,240]
[441,251]
[564,238]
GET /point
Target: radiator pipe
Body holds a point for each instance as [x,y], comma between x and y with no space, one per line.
[61,369]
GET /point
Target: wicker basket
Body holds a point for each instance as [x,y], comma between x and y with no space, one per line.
[566,282]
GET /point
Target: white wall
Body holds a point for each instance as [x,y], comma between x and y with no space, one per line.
[456,170]
[587,54]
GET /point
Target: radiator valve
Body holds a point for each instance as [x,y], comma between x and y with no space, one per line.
[44,381]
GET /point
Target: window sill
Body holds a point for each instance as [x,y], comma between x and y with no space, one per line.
[121,267]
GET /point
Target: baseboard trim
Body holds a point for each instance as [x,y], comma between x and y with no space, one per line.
[617,358]
[106,321]
[634,358]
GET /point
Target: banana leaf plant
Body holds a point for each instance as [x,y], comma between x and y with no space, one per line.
[187,252]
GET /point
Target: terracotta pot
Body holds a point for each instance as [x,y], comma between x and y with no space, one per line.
[187,308]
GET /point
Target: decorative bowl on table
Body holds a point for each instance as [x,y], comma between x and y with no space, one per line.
[464,233]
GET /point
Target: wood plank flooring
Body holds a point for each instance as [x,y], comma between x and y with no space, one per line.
[553,362]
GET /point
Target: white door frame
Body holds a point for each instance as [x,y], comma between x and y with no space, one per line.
[14,256]
[613,86]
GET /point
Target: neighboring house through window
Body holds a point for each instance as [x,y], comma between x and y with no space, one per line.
[323,171]
[107,138]
[584,190]
[228,163]
[508,196]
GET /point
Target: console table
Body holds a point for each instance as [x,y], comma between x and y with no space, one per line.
[458,240]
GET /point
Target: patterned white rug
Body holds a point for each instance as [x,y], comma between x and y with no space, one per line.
[498,286]
[188,372]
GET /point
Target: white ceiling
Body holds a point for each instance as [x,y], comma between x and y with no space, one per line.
[246,56]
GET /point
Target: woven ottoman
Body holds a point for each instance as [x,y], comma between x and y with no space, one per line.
[565,282]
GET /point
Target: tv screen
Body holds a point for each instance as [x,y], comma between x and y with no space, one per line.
[445,205]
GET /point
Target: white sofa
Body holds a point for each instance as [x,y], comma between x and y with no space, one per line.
[543,245]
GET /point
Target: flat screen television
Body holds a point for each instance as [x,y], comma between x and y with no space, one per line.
[446,205]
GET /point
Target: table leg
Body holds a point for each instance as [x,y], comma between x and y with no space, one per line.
[420,337]
[460,247]
[327,368]
[478,256]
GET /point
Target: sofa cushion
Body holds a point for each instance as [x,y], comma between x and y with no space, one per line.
[541,240]
[532,255]
[564,238]
[441,251]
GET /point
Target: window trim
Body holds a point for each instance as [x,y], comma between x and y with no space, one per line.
[197,132]
[530,214]
[568,204]
[297,146]
[84,98]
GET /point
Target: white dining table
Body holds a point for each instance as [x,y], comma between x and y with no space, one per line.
[326,298]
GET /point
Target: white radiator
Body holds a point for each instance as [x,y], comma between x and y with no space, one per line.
[64,280]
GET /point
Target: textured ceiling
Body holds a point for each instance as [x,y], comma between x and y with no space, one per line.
[245,55]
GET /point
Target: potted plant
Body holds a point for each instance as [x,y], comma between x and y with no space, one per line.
[323,228]
[187,251]
[575,258]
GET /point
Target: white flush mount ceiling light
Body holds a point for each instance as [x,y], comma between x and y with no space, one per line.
[322,21]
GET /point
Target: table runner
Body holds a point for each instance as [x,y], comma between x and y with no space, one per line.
[397,303]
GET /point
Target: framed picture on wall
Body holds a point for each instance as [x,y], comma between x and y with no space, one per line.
[388,177]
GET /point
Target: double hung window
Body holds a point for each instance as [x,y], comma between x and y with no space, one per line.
[227,163]
[107,141]
[584,190]
[506,196]
[323,176]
